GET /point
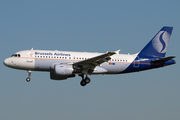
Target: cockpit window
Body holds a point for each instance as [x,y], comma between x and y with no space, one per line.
[16,55]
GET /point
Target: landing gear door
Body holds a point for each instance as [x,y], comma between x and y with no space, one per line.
[30,56]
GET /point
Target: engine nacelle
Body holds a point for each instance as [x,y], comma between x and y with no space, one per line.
[53,76]
[63,69]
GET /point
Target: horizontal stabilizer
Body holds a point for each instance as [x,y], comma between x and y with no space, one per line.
[163,59]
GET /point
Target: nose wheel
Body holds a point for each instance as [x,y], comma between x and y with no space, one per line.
[28,78]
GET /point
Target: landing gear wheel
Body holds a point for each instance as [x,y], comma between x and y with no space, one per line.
[87,80]
[84,80]
[28,79]
[83,83]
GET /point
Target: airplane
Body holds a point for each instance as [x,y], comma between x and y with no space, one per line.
[65,64]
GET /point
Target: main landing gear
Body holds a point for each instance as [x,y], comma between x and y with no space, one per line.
[28,78]
[85,81]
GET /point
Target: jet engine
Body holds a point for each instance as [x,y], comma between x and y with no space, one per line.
[61,72]
[63,69]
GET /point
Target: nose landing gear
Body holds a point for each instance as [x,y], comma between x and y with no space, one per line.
[28,78]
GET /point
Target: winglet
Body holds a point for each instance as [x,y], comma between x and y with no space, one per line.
[117,52]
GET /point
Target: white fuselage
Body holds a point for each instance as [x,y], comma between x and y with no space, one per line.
[43,60]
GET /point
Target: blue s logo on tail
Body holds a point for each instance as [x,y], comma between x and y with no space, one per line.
[161,41]
[157,47]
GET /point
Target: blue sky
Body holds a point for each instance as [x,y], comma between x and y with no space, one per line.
[92,26]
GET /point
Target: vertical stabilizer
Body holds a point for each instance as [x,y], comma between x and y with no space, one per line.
[157,47]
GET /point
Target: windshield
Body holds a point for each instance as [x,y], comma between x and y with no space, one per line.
[16,55]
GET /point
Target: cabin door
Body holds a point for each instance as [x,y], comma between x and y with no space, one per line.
[136,62]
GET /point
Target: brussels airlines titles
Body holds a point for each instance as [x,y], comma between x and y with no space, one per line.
[55,54]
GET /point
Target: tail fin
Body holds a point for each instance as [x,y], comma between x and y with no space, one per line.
[158,45]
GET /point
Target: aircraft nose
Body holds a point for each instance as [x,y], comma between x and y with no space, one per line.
[6,62]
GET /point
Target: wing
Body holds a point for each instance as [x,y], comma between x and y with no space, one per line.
[88,65]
